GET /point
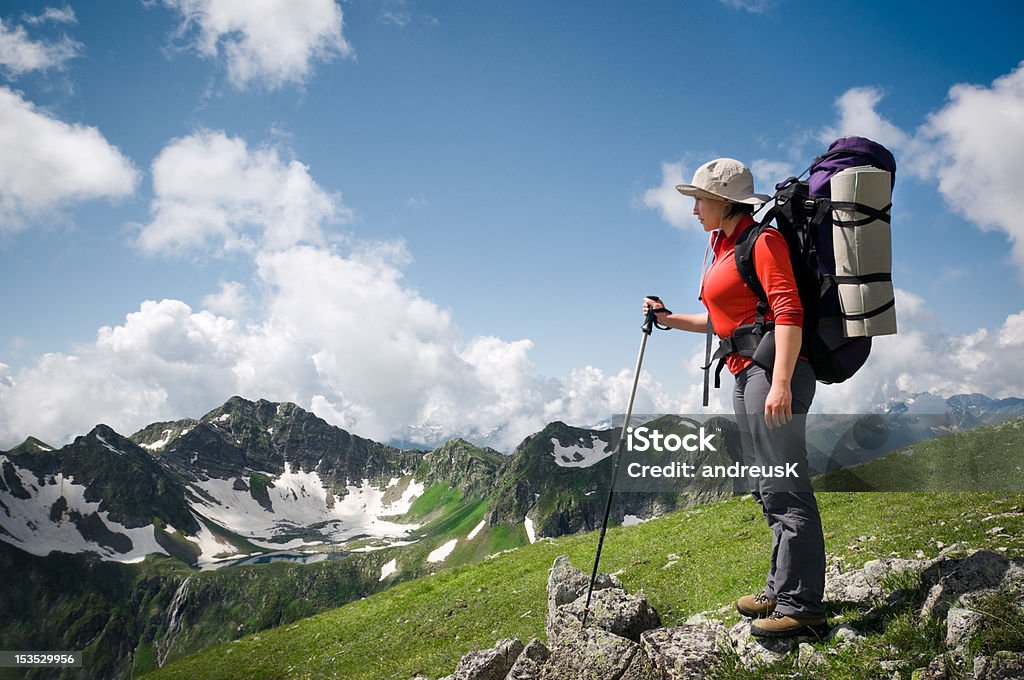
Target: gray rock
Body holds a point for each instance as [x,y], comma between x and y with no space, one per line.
[1000,666]
[617,612]
[808,657]
[684,652]
[489,664]
[755,651]
[530,662]
[860,586]
[961,623]
[844,634]
[641,668]
[936,670]
[959,549]
[566,584]
[592,653]
[983,571]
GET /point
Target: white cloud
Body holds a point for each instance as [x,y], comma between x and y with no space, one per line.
[752,6]
[923,359]
[270,43]
[857,116]
[19,54]
[57,15]
[675,208]
[971,147]
[231,300]
[977,140]
[47,162]
[209,187]
[912,310]
[338,333]
[768,173]
[329,324]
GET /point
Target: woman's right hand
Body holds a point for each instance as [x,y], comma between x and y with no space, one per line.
[650,304]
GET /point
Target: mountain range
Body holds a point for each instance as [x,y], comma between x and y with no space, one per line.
[251,483]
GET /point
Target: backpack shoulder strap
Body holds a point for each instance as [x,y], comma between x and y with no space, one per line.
[743,253]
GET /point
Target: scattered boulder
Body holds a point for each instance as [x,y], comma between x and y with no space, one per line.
[981,572]
[685,652]
[961,622]
[861,586]
[844,634]
[611,608]
[755,651]
[999,666]
[566,583]
[489,664]
[608,646]
[617,612]
[808,657]
[590,653]
[530,662]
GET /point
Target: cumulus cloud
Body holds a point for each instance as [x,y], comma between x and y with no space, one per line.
[768,173]
[47,163]
[330,324]
[971,147]
[675,208]
[321,340]
[20,54]
[917,360]
[752,6]
[270,44]
[977,141]
[211,188]
[858,116]
[231,300]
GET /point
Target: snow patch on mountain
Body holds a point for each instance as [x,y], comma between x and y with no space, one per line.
[160,443]
[212,549]
[44,523]
[108,445]
[582,454]
[530,532]
[476,530]
[388,569]
[442,553]
[299,500]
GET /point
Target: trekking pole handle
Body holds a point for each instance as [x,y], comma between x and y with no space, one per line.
[651,320]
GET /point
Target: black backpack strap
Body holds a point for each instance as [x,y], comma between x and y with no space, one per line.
[744,256]
[707,361]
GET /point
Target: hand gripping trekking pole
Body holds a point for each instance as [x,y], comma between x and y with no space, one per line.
[650,321]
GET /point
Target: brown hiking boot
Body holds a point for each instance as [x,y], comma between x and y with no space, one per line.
[782,625]
[755,606]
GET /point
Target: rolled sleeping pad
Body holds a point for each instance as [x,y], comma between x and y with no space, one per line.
[863,250]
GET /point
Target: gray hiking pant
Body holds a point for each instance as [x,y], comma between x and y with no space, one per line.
[796,579]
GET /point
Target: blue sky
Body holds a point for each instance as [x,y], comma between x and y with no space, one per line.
[420,219]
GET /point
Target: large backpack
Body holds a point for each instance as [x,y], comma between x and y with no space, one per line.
[837,226]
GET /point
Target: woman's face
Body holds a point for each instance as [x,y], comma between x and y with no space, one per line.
[709,212]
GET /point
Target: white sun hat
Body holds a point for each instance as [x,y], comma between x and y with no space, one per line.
[723,179]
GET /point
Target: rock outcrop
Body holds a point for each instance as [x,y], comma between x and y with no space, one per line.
[624,640]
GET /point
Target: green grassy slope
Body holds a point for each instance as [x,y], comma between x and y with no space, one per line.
[692,560]
[987,458]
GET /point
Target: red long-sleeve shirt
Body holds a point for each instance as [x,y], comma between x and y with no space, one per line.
[731,303]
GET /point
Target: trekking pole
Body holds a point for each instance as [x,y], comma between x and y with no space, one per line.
[649,322]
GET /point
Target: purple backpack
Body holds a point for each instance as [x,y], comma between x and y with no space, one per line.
[803,213]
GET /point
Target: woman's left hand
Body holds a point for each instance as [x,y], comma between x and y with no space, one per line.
[778,406]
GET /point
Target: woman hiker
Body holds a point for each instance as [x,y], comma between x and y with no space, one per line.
[765,401]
